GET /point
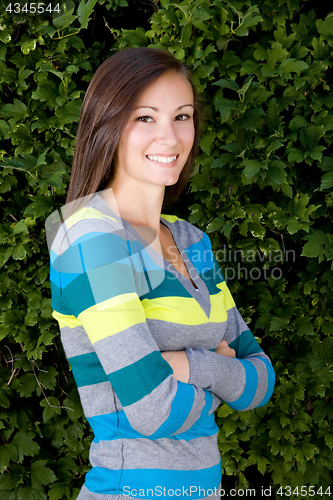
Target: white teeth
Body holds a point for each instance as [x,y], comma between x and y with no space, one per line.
[162,159]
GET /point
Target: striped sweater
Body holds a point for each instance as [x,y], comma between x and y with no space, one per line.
[119,304]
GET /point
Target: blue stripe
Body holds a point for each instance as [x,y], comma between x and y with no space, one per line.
[116,426]
[98,250]
[161,483]
[250,389]
[62,279]
[271,382]
[180,409]
[82,259]
[201,258]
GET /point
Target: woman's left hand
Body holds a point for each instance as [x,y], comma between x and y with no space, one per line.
[225,350]
[179,363]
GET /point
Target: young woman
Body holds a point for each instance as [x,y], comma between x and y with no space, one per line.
[150,329]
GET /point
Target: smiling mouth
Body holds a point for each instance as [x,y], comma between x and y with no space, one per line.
[162,159]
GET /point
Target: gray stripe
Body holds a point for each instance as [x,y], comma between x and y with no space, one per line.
[170,337]
[235,326]
[216,403]
[262,382]
[155,412]
[222,375]
[98,399]
[67,236]
[136,336]
[184,233]
[75,341]
[170,454]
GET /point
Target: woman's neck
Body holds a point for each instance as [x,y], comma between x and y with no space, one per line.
[138,205]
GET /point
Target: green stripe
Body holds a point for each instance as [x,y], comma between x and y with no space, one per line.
[87,369]
[245,344]
[135,381]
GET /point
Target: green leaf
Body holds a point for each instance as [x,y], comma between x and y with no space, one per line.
[41,475]
[251,168]
[58,491]
[216,224]
[20,227]
[4,128]
[291,65]
[16,112]
[19,252]
[69,113]
[199,16]
[41,205]
[273,119]
[84,10]
[25,444]
[310,137]
[206,143]
[186,34]
[278,323]
[225,107]
[325,27]
[314,246]
[28,46]
[326,181]
[64,20]
[27,385]
[45,91]
[295,155]
[304,326]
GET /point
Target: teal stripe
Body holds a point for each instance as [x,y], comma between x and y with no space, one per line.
[116,426]
[271,382]
[135,381]
[250,387]
[212,278]
[154,483]
[78,295]
[87,369]
[57,303]
[169,287]
[245,344]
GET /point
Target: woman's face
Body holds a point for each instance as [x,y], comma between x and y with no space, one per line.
[159,135]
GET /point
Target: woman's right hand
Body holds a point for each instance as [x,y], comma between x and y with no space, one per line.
[225,350]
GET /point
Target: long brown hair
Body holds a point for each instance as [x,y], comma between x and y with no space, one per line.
[110,99]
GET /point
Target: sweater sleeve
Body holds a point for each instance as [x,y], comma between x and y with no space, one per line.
[244,382]
[97,279]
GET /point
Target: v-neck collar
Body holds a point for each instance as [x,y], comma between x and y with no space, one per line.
[201,294]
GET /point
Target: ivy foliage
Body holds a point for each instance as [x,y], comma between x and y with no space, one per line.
[261,187]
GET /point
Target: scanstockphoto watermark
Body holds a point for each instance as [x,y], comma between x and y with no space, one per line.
[186,492]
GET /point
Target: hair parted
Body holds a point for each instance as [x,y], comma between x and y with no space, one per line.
[113,93]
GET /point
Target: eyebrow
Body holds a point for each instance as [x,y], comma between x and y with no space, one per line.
[156,109]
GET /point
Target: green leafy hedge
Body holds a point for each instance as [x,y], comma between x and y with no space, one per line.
[262,188]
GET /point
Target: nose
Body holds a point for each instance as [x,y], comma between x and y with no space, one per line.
[167,134]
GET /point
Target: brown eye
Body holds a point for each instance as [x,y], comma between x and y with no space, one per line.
[182,118]
[145,119]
